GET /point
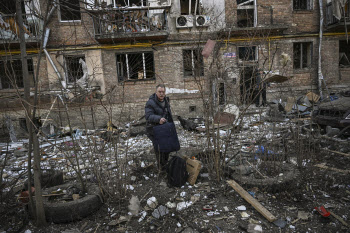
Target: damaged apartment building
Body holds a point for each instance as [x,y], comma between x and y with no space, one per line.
[108,55]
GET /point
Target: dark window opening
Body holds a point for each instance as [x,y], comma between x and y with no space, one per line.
[245,18]
[247,84]
[9,7]
[302,4]
[11,74]
[122,3]
[247,53]
[245,13]
[189,7]
[70,10]
[344,54]
[193,62]
[132,66]
[74,69]
[222,96]
[192,108]
[302,55]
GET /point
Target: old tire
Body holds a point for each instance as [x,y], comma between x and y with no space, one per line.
[273,184]
[75,209]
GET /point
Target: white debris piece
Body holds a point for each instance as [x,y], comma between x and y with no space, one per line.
[143,215]
[241,207]
[152,202]
[183,205]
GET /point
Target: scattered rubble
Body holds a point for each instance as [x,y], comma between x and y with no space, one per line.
[258,154]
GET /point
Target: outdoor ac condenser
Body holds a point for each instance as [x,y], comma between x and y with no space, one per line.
[202,21]
[184,21]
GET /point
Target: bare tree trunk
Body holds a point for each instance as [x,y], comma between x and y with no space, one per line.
[33,139]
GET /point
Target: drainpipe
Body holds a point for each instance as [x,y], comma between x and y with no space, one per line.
[320,76]
[47,32]
[51,11]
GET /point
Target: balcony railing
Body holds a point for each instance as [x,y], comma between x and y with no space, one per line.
[125,4]
[9,28]
[115,23]
[331,19]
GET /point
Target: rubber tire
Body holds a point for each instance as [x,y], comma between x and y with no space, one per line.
[73,210]
[273,184]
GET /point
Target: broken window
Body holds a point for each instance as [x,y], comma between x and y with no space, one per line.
[222,95]
[246,13]
[247,53]
[133,66]
[302,4]
[70,10]
[121,3]
[74,68]
[11,74]
[189,7]
[193,62]
[302,55]
[344,53]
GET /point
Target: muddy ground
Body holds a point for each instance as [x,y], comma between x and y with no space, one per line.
[211,204]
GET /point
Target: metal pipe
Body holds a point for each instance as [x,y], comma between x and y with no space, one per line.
[320,76]
[47,32]
[51,11]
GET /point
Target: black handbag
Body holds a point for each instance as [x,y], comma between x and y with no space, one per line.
[165,138]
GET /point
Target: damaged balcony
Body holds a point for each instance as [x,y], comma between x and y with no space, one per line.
[250,18]
[337,16]
[123,22]
[9,28]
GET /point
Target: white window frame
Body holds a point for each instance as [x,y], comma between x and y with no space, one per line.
[243,6]
[60,16]
[310,6]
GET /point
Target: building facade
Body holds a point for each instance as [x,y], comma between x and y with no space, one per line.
[101,59]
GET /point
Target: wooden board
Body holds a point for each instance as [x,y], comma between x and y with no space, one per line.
[323,166]
[251,200]
[337,152]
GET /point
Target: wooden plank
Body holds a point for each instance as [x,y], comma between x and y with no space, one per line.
[340,219]
[337,152]
[323,166]
[251,200]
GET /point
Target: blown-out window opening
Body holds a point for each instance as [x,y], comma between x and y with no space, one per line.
[135,66]
[11,75]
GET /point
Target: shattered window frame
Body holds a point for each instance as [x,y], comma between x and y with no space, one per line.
[246,13]
[344,54]
[302,55]
[188,7]
[193,63]
[13,71]
[126,63]
[248,53]
[222,94]
[73,69]
[69,11]
[302,5]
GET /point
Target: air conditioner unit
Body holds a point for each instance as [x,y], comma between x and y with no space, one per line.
[184,21]
[202,21]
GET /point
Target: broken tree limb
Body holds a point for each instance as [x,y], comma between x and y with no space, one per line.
[251,200]
[337,152]
[340,219]
[323,166]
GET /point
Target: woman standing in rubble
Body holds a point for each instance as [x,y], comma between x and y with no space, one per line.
[157,112]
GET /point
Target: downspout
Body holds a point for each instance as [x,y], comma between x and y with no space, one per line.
[320,76]
[51,11]
[255,14]
[47,32]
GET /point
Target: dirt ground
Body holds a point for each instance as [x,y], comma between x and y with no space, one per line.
[211,205]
